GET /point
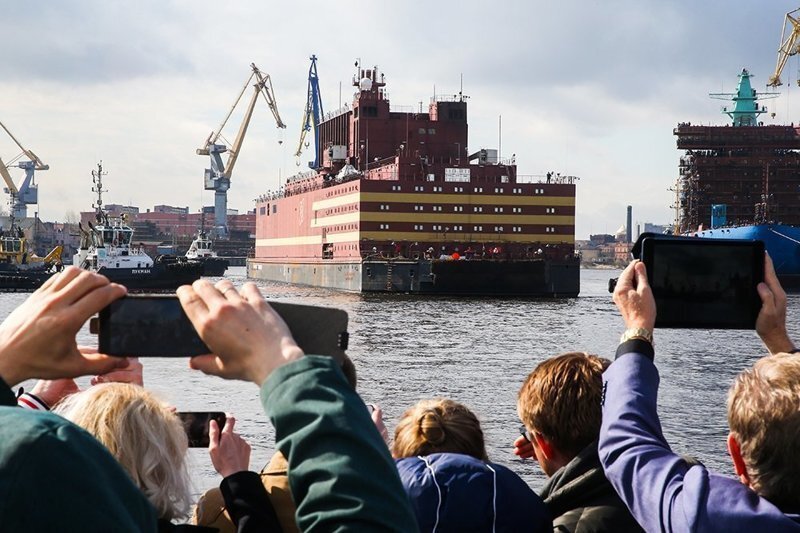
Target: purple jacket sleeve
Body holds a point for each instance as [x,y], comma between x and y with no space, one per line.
[662,491]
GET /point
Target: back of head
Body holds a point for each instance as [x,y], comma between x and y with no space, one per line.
[145,437]
[764,417]
[437,426]
[561,400]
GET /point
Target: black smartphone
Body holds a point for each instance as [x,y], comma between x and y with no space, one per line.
[196,424]
[704,283]
[155,325]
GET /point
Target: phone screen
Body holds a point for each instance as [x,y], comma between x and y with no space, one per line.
[705,283]
[148,326]
[196,424]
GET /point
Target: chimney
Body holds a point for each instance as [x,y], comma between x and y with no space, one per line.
[628,226]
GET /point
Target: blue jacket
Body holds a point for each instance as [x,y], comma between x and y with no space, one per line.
[455,492]
[663,492]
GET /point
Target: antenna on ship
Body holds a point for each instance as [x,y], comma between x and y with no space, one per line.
[97,179]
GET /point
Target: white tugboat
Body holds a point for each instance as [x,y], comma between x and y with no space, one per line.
[107,248]
[202,250]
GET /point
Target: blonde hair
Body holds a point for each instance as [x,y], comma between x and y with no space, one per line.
[764,417]
[144,435]
[561,400]
[436,426]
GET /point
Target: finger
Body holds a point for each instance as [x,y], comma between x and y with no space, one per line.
[92,302]
[771,279]
[229,423]
[226,288]
[192,304]
[87,364]
[87,349]
[62,279]
[626,279]
[208,364]
[82,284]
[251,293]
[213,434]
[767,298]
[640,271]
[210,295]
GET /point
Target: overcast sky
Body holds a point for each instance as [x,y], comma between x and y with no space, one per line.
[584,87]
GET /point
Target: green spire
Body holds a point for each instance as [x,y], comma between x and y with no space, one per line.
[745,109]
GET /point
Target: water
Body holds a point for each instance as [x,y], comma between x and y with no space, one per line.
[476,351]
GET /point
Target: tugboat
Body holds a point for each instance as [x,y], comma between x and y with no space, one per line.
[20,268]
[201,250]
[106,248]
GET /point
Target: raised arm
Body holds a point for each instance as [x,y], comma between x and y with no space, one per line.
[340,471]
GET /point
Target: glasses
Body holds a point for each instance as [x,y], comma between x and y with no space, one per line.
[524,432]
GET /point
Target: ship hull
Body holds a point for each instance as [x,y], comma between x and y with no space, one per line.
[22,280]
[530,278]
[782,242]
[214,266]
[159,277]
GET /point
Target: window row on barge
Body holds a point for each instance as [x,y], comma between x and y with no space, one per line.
[399,205]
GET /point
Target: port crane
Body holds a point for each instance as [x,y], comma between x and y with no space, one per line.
[312,115]
[790,45]
[218,177]
[27,193]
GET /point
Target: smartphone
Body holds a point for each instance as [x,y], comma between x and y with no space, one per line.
[196,424]
[155,325]
[704,283]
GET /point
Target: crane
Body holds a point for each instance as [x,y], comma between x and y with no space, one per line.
[790,45]
[312,114]
[218,177]
[27,193]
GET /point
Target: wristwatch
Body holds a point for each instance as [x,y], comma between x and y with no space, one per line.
[637,333]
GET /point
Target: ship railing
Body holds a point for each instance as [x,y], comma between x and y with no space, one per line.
[404,109]
[448,98]
[542,178]
[333,114]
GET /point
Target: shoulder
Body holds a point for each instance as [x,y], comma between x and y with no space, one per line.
[84,483]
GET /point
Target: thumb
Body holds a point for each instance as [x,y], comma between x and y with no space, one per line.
[213,434]
[642,282]
[766,295]
[207,364]
[95,363]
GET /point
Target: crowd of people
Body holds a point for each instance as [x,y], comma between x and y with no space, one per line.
[112,457]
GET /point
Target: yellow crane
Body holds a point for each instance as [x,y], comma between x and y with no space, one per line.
[218,177]
[790,45]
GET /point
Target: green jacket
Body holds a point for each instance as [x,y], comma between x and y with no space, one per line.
[56,477]
[340,471]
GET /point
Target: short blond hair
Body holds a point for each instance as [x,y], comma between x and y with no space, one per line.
[144,435]
[764,417]
[561,400]
[438,426]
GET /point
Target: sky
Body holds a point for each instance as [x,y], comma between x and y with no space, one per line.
[586,88]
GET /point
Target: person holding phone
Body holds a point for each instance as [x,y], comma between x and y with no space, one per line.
[663,491]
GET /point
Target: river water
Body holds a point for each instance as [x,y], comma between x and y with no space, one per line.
[476,351]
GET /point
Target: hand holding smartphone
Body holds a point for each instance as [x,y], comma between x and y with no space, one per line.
[196,425]
[155,325]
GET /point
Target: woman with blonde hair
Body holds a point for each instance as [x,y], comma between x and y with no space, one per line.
[441,457]
[149,441]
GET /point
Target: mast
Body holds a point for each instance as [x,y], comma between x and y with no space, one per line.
[97,179]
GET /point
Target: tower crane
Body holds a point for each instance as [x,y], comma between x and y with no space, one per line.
[312,115]
[790,45]
[27,193]
[218,177]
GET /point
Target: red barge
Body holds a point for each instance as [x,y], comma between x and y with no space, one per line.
[397,204]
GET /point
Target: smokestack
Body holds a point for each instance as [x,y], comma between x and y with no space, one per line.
[629,226]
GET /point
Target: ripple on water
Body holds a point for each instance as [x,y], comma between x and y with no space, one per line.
[477,351]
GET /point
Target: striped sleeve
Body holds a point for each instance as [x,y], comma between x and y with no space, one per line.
[26,400]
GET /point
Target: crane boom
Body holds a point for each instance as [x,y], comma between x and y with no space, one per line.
[27,193]
[218,177]
[312,114]
[789,46]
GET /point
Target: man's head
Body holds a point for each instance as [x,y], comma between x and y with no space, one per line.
[560,404]
[764,418]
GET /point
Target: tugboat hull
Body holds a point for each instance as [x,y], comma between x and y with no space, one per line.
[214,266]
[22,280]
[162,276]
